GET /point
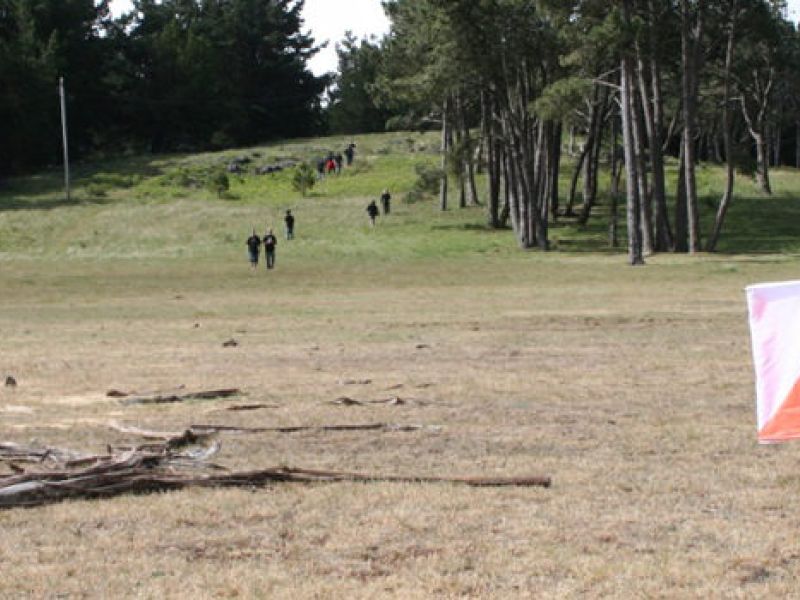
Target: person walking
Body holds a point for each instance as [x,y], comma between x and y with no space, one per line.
[270,241]
[253,247]
[288,220]
[372,211]
[349,153]
[386,199]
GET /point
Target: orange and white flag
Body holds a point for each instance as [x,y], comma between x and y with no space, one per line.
[774,310]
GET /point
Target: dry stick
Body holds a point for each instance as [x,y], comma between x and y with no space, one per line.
[122,394]
[204,430]
[140,474]
[10,451]
[394,400]
[295,429]
[145,433]
[164,399]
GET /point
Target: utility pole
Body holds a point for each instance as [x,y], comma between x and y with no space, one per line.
[64,135]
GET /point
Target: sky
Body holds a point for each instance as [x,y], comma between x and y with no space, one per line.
[328,20]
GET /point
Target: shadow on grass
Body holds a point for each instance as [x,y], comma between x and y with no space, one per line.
[44,190]
[12,203]
[756,225]
[480,227]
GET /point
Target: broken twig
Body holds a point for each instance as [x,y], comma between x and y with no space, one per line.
[168,398]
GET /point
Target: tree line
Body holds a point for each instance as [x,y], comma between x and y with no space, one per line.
[635,81]
[169,75]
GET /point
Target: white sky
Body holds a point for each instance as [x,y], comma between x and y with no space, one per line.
[328,20]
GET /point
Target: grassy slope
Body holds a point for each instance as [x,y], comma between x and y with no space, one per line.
[632,387]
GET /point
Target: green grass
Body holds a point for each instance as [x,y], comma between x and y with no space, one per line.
[151,207]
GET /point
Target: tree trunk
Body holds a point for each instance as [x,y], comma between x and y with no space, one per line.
[762,162]
[654,124]
[593,160]
[613,240]
[797,144]
[776,146]
[681,219]
[568,210]
[494,169]
[445,149]
[646,218]
[635,255]
[555,168]
[690,43]
[727,132]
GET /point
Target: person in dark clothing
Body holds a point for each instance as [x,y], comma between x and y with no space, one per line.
[321,168]
[339,159]
[349,153]
[289,222]
[270,241]
[253,246]
[386,199]
[372,211]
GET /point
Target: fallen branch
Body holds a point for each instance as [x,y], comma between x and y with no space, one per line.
[392,401]
[354,381]
[346,401]
[168,398]
[298,428]
[137,471]
[243,407]
[11,452]
[113,393]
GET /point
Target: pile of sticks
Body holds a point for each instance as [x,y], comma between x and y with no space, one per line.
[172,463]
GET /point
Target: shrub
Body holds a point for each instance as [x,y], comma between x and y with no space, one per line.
[96,190]
[115,180]
[219,183]
[303,178]
[426,184]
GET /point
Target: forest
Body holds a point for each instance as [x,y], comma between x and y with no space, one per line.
[621,87]
[173,75]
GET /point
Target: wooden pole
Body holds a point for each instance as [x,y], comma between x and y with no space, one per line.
[64,135]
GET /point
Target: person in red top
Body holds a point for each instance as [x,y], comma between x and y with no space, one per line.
[330,166]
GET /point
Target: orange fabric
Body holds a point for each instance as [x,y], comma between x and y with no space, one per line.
[785,423]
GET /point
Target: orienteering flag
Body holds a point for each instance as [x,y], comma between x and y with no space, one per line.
[774,312]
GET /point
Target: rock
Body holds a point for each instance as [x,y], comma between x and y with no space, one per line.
[11,382]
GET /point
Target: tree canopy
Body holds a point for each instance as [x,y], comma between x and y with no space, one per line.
[173,74]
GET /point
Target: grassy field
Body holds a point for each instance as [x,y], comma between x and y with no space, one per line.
[631,387]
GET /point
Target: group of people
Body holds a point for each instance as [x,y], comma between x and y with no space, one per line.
[333,162]
[269,241]
[372,207]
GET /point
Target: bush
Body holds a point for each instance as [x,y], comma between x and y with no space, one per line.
[115,180]
[219,183]
[427,183]
[181,177]
[303,178]
[96,190]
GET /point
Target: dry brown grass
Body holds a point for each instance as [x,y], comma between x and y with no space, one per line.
[631,387]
